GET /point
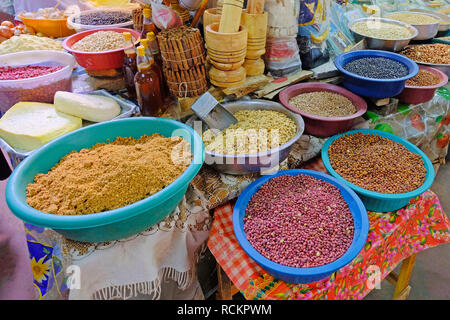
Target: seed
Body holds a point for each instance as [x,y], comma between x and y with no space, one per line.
[437,53]
[100,41]
[323,103]
[423,78]
[381,30]
[104,18]
[319,238]
[376,163]
[255,131]
[377,68]
[413,18]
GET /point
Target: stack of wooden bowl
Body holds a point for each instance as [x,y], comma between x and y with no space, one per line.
[226,43]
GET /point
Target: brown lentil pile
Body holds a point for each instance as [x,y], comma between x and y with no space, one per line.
[323,103]
[423,78]
[109,175]
[437,53]
[377,164]
[256,131]
[299,221]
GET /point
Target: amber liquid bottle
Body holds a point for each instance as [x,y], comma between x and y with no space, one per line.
[157,67]
[148,25]
[154,49]
[148,86]
[129,66]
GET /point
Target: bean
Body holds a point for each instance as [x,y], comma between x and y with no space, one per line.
[288,221]
[437,53]
[423,78]
[376,163]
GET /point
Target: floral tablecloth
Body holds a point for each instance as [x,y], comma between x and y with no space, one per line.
[392,237]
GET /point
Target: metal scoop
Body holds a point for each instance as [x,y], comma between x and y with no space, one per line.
[210,111]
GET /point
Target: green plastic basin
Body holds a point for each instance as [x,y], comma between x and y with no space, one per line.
[113,224]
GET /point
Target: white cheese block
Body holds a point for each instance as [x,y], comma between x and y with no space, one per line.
[87,106]
[29,125]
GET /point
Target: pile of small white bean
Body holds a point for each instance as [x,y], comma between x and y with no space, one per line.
[100,41]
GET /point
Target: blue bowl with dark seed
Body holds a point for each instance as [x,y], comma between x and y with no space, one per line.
[375,73]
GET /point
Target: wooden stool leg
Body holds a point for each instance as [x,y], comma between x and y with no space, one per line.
[402,288]
[223,286]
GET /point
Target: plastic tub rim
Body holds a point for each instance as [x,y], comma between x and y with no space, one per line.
[439,73]
[323,87]
[413,68]
[20,15]
[429,178]
[53,74]
[89,32]
[264,262]
[40,218]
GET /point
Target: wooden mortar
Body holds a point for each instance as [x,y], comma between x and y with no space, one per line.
[256,43]
[227,79]
[226,51]
[210,16]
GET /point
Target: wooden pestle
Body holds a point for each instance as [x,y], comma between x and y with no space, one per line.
[231,16]
[255,6]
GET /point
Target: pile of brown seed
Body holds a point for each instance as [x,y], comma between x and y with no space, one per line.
[437,53]
[376,163]
[423,78]
[323,103]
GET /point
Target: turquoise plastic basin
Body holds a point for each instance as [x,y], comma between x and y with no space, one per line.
[114,224]
[377,201]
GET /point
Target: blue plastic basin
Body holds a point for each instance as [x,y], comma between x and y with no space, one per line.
[369,87]
[303,275]
[113,224]
[376,201]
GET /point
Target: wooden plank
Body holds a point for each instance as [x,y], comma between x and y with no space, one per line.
[250,85]
[404,294]
[404,276]
[224,285]
[281,83]
[392,278]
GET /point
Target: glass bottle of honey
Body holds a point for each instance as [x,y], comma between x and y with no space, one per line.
[148,87]
[157,67]
[129,65]
[147,24]
[154,48]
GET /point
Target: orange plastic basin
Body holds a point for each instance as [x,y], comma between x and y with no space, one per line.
[55,28]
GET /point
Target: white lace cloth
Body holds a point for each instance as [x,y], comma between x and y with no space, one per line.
[141,265]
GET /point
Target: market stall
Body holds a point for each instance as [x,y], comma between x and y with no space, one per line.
[297,141]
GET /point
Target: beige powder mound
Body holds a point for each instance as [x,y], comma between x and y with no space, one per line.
[109,176]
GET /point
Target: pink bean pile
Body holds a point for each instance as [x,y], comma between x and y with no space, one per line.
[299,221]
[16,73]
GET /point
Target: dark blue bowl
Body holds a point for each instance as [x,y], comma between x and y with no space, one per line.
[369,87]
[303,275]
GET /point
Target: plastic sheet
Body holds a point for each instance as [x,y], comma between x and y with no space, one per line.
[313,30]
[282,53]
